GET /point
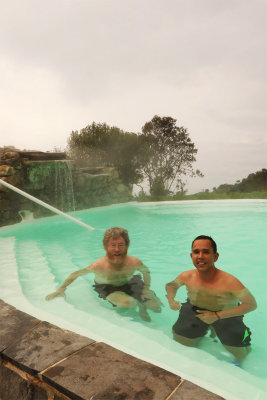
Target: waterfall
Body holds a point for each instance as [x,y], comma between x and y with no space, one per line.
[64,195]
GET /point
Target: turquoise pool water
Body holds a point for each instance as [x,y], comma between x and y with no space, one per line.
[38,256]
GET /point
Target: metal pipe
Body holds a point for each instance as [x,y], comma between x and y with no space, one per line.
[42,203]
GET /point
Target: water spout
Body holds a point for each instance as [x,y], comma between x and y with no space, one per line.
[26,215]
[42,203]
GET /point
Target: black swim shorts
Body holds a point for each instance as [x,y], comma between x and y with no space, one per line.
[134,288]
[231,331]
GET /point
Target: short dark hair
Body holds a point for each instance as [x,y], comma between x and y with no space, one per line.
[115,233]
[213,243]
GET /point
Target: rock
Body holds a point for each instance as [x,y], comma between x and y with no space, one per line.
[6,170]
[2,187]
[4,205]
[8,155]
[14,180]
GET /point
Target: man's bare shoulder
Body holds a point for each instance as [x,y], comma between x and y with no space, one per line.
[230,281]
[132,261]
[98,264]
[186,275]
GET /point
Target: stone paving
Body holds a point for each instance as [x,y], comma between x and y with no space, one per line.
[39,361]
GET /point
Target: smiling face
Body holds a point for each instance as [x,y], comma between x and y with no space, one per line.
[203,255]
[116,250]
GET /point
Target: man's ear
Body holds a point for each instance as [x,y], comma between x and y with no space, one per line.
[216,257]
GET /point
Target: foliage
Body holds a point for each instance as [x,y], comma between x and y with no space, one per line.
[205,196]
[102,145]
[162,155]
[170,154]
[227,196]
[223,192]
[254,182]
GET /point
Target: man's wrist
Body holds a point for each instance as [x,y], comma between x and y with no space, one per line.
[218,316]
[170,299]
[146,286]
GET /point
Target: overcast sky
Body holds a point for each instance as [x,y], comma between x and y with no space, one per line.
[67,63]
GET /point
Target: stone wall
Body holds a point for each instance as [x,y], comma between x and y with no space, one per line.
[55,180]
[98,187]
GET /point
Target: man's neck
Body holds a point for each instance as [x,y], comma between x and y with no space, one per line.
[209,275]
[116,265]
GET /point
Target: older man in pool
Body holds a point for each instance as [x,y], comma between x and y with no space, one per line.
[115,276]
[216,299]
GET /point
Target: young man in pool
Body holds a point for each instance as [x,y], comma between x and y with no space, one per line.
[216,299]
[115,276]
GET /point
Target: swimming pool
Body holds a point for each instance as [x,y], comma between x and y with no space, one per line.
[37,256]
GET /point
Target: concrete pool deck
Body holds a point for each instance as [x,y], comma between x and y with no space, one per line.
[40,361]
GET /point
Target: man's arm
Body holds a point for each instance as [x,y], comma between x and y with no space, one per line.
[171,289]
[60,291]
[148,294]
[248,303]
[146,275]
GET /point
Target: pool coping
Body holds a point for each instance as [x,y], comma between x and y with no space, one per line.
[52,363]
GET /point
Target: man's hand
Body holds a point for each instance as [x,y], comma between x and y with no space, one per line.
[207,316]
[149,295]
[59,292]
[151,301]
[146,294]
[174,305]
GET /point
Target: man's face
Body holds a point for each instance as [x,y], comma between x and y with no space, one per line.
[116,250]
[203,256]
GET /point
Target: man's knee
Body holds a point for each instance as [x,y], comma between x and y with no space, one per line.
[153,302]
[122,300]
[238,352]
[128,302]
[184,340]
[153,305]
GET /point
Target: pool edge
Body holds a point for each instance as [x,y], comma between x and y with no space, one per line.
[47,370]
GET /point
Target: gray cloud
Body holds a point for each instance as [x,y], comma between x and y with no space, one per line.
[65,63]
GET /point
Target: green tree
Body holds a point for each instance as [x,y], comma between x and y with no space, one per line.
[224,188]
[171,154]
[253,182]
[101,145]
